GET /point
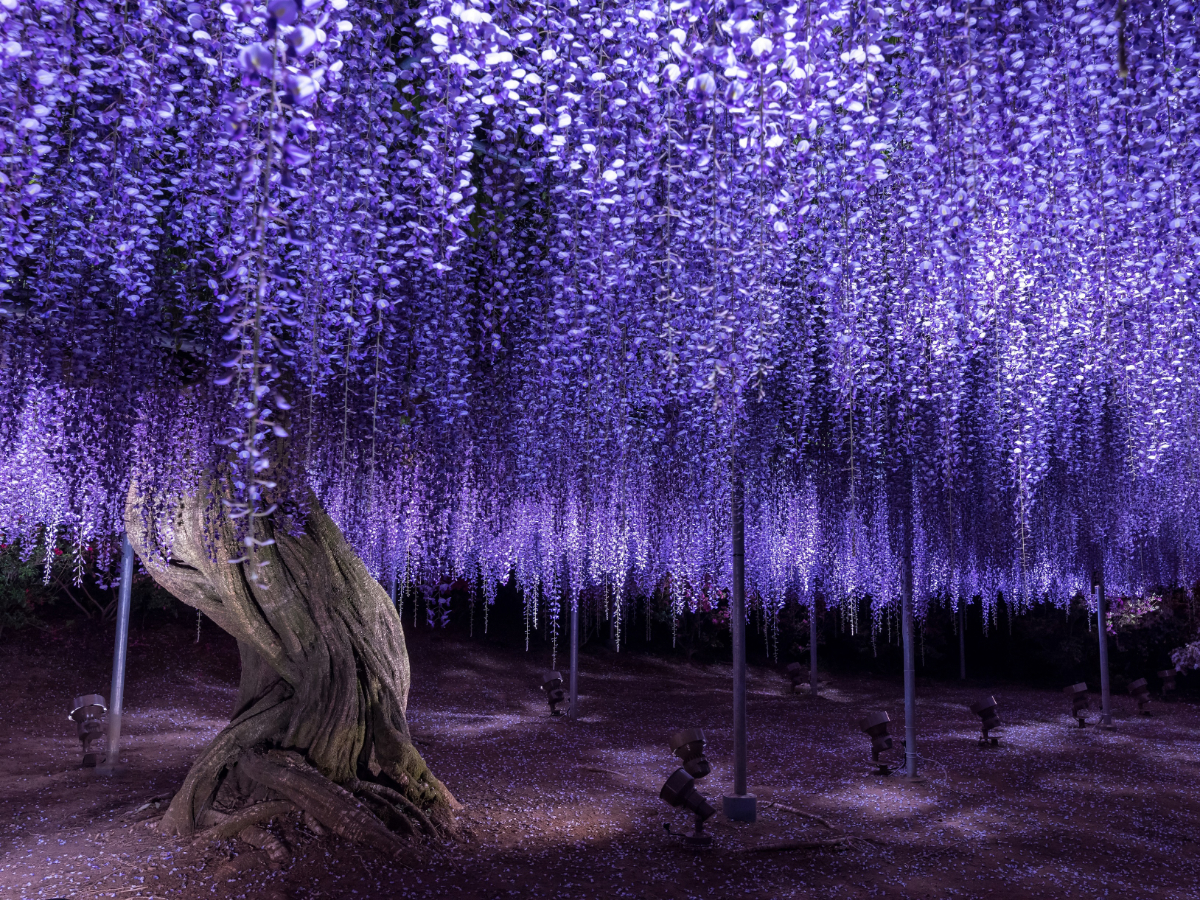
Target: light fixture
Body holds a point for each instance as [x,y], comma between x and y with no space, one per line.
[1079,701]
[680,792]
[795,672]
[552,684]
[875,726]
[1167,677]
[1140,691]
[86,713]
[986,710]
[688,745]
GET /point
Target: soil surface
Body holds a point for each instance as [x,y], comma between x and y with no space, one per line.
[561,809]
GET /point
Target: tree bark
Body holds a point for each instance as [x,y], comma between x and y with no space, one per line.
[325,671]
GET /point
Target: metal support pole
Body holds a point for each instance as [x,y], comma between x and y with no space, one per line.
[812,645]
[116,700]
[741,806]
[962,641]
[906,629]
[573,709]
[1101,610]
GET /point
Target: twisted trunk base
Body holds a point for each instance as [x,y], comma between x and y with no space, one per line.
[320,716]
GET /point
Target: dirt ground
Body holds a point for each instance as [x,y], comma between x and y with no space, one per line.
[558,809]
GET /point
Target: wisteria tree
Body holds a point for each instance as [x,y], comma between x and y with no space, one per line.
[309,297]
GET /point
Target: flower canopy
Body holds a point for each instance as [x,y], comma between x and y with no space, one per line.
[511,286]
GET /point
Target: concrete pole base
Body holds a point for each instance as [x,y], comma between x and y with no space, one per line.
[740,807]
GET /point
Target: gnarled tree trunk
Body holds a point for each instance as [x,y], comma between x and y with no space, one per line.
[320,716]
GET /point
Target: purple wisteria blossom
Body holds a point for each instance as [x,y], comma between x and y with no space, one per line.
[509,286]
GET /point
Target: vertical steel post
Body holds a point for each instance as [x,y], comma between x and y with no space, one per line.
[906,629]
[116,700]
[812,645]
[1101,603]
[737,622]
[962,640]
[574,707]
[741,806]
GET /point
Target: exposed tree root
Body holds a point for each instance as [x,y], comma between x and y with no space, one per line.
[313,825]
[841,842]
[395,797]
[388,812]
[147,810]
[331,805]
[226,826]
[802,814]
[275,849]
[253,726]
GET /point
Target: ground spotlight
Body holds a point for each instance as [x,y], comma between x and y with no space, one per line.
[1079,701]
[875,726]
[1167,677]
[680,791]
[1140,691]
[552,684]
[688,745]
[795,672]
[86,713]
[986,710]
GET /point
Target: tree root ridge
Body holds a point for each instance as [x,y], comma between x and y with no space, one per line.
[331,805]
[275,849]
[364,812]
[406,807]
[224,826]
[388,812]
[194,798]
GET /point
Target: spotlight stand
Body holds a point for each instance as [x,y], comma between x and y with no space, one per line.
[85,713]
[986,710]
[794,672]
[552,684]
[1139,690]
[680,791]
[688,745]
[1079,701]
[1166,678]
[875,726]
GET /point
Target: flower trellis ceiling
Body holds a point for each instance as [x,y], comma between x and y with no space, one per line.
[518,282]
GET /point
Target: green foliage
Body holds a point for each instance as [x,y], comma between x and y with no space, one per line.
[24,590]
[40,583]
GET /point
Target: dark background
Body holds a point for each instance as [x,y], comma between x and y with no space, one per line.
[1043,645]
